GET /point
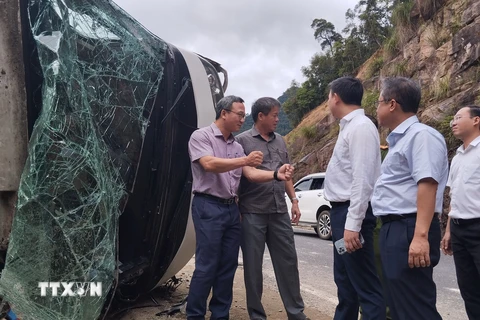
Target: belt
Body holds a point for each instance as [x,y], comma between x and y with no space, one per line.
[218,199]
[462,222]
[338,204]
[395,217]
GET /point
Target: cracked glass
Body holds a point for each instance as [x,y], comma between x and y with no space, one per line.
[100,75]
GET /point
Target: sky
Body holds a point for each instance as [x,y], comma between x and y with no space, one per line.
[262,44]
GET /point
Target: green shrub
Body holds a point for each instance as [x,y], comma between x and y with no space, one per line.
[369,102]
[401,14]
[390,47]
[456,25]
[309,132]
[404,27]
[375,67]
[437,39]
[400,69]
[442,88]
[443,126]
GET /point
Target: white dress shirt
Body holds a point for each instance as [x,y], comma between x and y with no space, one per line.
[354,166]
[464,182]
[415,152]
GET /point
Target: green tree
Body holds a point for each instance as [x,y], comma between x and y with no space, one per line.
[325,33]
[373,18]
[306,98]
[368,27]
[320,73]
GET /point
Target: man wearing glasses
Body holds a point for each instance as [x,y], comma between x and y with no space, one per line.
[408,197]
[218,162]
[462,236]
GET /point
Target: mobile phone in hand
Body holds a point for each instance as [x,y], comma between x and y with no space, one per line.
[340,245]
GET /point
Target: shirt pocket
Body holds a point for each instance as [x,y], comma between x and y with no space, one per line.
[471,173]
[394,163]
[278,158]
[237,174]
[340,152]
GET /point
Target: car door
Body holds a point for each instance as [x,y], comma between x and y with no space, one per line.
[311,200]
[301,186]
[302,190]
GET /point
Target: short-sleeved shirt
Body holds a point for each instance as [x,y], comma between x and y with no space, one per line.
[266,197]
[464,182]
[209,141]
[416,151]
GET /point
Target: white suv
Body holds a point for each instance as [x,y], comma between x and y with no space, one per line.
[314,208]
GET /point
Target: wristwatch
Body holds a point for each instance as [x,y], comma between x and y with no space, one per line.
[294,198]
[275,175]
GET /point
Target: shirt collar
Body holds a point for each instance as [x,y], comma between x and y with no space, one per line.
[401,129]
[218,133]
[255,133]
[350,116]
[472,144]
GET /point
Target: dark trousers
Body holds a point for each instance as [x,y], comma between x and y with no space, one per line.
[354,273]
[411,292]
[466,254]
[217,232]
[276,231]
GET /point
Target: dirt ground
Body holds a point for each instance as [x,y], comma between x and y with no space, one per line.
[271,300]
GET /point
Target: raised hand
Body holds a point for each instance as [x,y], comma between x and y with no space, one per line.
[255,158]
[285,172]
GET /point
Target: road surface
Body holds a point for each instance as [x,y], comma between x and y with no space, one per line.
[318,288]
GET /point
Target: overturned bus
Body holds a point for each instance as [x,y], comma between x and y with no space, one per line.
[95,179]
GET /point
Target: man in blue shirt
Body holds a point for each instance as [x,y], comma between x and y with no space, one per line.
[408,197]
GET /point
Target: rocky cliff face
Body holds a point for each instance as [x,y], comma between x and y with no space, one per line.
[439,47]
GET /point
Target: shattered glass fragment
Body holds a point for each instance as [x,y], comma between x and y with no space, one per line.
[101,74]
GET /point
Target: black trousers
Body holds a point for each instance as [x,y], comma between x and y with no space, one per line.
[466,254]
[411,292]
[354,273]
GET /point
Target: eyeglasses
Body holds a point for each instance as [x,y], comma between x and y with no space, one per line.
[240,114]
[387,101]
[384,101]
[456,118]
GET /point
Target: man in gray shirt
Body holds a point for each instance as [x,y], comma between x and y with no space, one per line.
[265,216]
[218,162]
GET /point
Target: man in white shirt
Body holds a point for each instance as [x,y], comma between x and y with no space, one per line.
[462,236]
[350,177]
[408,198]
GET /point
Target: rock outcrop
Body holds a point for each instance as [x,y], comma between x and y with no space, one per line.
[440,49]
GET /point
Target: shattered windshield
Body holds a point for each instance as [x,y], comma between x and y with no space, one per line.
[101,72]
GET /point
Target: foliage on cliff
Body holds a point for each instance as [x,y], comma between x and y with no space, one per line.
[435,42]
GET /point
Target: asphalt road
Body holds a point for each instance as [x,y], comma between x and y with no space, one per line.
[318,288]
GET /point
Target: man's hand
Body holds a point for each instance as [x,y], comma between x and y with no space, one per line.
[446,244]
[295,212]
[285,172]
[419,253]
[254,159]
[352,240]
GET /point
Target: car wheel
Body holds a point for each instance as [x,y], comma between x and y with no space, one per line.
[324,229]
